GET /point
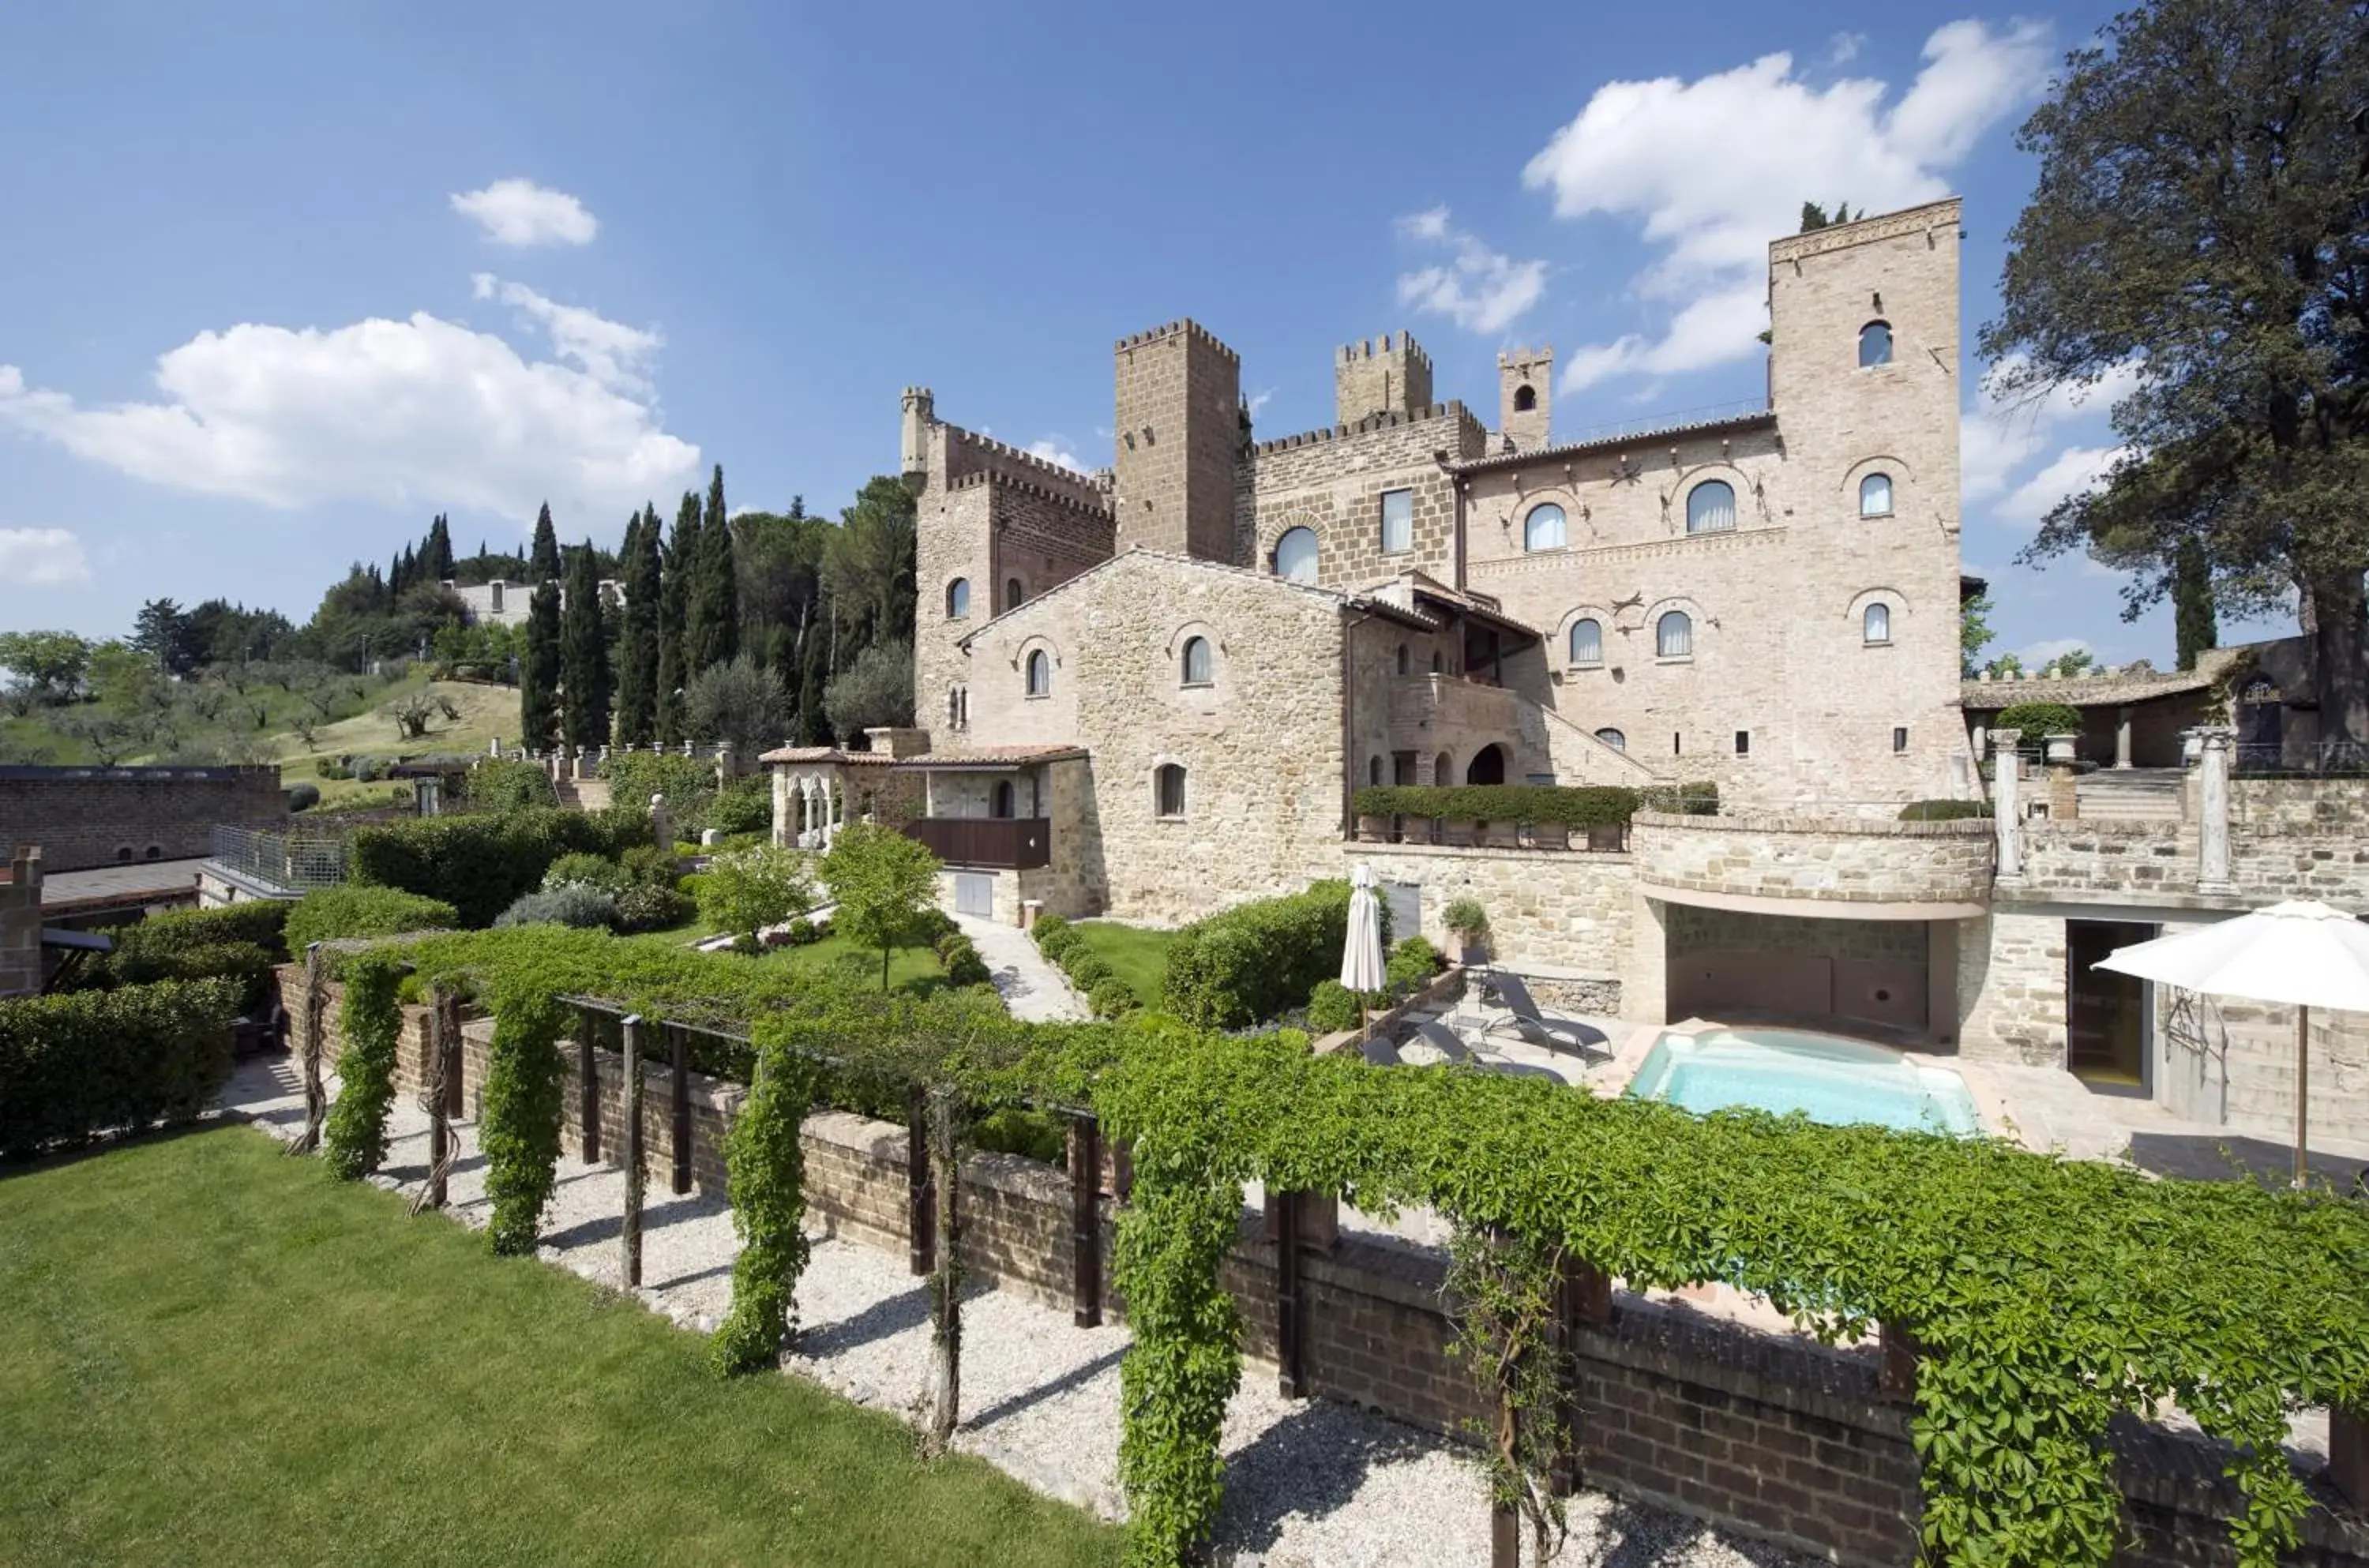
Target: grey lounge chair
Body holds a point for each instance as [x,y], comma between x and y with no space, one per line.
[1524,1019]
[1379,1053]
[1442,1038]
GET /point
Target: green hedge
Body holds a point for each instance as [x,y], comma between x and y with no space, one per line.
[77,1065]
[1259,960]
[1943,810]
[2033,720]
[481,864]
[1586,806]
[503,783]
[259,922]
[331,914]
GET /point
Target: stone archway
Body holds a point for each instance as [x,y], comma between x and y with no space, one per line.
[1487,766]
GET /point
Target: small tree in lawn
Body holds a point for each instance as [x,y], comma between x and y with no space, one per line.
[884,884]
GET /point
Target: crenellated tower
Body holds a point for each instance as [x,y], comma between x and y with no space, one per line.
[1178,435]
[1525,397]
[1389,374]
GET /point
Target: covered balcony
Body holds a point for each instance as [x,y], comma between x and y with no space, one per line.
[989,807]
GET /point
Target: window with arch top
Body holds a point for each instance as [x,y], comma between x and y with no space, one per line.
[1874,345]
[1168,788]
[1673,635]
[1875,627]
[1040,674]
[1295,555]
[1613,739]
[1875,496]
[1710,508]
[1197,661]
[1013,594]
[1402,659]
[958,598]
[1543,529]
[1587,641]
[1525,397]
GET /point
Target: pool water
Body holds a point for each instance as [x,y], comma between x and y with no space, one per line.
[1829,1080]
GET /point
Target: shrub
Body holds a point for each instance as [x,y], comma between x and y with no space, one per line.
[302,797]
[354,1140]
[329,913]
[331,767]
[746,807]
[934,924]
[587,871]
[1111,999]
[746,888]
[643,907]
[688,783]
[1468,920]
[1058,943]
[243,963]
[260,921]
[1943,810]
[1549,805]
[1411,963]
[369,770]
[1331,1007]
[1258,960]
[2034,720]
[77,1065]
[648,865]
[1032,1135]
[801,932]
[1699,798]
[500,783]
[963,965]
[569,904]
[478,863]
[1049,928]
[1086,969]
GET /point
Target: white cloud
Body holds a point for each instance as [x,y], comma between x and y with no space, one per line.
[2072,472]
[41,557]
[521,212]
[1056,450]
[609,351]
[407,414]
[2048,650]
[1259,400]
[1843,48]
[1713,169]
[1998,436]
[1479,288]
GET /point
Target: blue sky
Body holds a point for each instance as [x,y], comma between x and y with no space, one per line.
[278,282]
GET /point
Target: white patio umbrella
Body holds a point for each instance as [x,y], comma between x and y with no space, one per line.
[1361,956]
[2304,953]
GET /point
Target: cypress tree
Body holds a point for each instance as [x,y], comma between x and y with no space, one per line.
[584,653]
[437,559]
[637,649]
[2194,627]
[542,564]
[674,614]
[715,588]
[539,672]
[814,664]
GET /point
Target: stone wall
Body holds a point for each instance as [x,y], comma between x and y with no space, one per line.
[2287,850]
[1826,859]
[2337,806]
[89,817]
[2012,988]
[1568,910]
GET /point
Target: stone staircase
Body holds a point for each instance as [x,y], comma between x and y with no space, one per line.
[2132,795]
[582,794]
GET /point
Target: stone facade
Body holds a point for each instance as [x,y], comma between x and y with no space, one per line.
[1826,860]
[1567,913]
[89,817]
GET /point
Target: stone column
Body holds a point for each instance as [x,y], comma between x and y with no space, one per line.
[580,765]
[1645,982]
[494,748]
[2007,820]
[2121,738]
[661,825]
[2212,826]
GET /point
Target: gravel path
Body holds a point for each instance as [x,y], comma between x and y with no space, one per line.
[1309,1484]
[1031,987]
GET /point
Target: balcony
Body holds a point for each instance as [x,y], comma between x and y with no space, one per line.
[1001,843]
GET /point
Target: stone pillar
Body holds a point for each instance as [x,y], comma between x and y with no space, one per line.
[725,771]
[661,825]
[1646,983]
[578,765]
[2212,825]
[2121,738]
[2007,819]
[494,748]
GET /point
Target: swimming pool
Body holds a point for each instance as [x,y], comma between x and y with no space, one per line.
[1829,1080]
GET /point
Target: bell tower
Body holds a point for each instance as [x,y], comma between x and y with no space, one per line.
[1526,396]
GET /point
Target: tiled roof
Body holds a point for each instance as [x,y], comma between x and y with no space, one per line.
[2083,691]
[991,756]
[1625,439]
[821,754]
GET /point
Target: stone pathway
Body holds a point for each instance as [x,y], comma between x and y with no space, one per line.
[1031,989]
[1309,1484]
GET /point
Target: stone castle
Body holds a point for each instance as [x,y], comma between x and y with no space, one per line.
[1152,690]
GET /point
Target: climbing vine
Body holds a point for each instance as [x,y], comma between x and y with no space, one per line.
[354,1137]
[768,1170]
[1504,1287]
[520,1130]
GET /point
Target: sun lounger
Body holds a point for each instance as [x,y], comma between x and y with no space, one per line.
[1441,1038]
[1379,1053]
[1524,1018]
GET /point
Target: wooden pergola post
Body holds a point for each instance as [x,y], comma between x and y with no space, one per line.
[681,1040]
[946,1304]
[1086,1222]
[629,1233]
[1290,1308]
[444,1087]
[921,1213]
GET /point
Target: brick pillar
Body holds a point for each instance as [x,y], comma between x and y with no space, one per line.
[2007,820]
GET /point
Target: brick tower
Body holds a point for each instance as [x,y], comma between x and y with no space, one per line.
[1178,438]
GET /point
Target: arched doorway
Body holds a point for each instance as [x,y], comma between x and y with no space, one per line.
[1487,767]
[1002,807]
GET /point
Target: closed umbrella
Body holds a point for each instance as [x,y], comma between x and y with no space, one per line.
[2304,953]
[1361,957]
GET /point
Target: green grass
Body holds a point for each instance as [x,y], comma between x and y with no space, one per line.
[912,968]
[1138,957]
[217,1354]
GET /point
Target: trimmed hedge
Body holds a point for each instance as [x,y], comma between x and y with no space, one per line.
[1944,810]
[259,922]
[1586,806]
[1259,960]
[2034,720]
[73,1066]
[329,915]
[480,863]
[504,783]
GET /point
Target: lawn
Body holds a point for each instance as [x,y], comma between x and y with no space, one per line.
[1137,955]
[487,713]
[218,1355]
[912,968]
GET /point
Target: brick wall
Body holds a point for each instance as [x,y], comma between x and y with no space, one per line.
[1331,480]
[88,817]
[20,922]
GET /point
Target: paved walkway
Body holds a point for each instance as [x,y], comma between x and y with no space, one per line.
[1029,984]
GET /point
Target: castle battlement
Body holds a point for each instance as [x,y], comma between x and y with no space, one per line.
[1509,358]
[1386,420]
[1384,346]
[1029,488]
[1183,327]
[1000,452]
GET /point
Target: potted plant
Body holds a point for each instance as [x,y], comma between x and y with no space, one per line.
[1469,924]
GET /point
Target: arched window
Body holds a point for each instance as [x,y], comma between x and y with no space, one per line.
[1876,625]
[1587,640]
[123,852]
[1673,635]
[156,852]
[1710,508]
[1613,739]
[497,599]
[958,598]
[1544,530]
[1875,496]
[1002,806]
[1525,397]
[1487,767]
[1013,596]
[1197,661]
[1373,771]
[1402,659]
[1875,343]
[1040,674]
[1442,770]
[1295,555]
[1169,783]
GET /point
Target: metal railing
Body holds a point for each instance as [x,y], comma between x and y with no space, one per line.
[280,861]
